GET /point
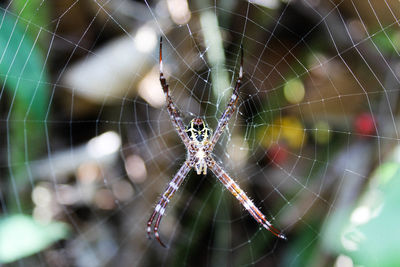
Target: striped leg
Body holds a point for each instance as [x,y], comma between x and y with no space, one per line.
[230,109]
[241,196]
[173,185]
[172,110]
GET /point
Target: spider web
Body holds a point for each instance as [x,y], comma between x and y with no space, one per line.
[89,148]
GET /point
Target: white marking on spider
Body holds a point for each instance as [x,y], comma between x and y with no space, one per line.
[173,185]
[201,166]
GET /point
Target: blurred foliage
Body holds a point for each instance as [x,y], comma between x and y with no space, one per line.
[207,219]
[370,234]
[24,76]
[388,40]
[287,129]
[294,91]
[21,236]
[376,242]
[34,15]
[22,69]
[321,133]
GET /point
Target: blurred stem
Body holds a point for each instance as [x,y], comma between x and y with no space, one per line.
[221,90]
[200,224]
[215,57]
[221,230]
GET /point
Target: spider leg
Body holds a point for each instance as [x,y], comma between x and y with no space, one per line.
[158,212]
[234,188]
[172,109]
[230,109]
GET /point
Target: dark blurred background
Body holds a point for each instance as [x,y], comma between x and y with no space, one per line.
[88,148]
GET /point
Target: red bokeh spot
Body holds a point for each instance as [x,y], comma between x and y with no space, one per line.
[277,154]
[364,124]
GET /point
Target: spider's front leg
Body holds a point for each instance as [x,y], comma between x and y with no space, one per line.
[234,188]
[230,108]
[172,109]
[173,185]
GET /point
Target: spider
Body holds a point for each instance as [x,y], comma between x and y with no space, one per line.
[200,143]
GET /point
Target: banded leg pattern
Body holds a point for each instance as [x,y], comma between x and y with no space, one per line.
[234,188]
[230,108]
[172,109]
[158,212]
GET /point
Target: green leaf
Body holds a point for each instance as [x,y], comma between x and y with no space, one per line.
[22,67]
[368,232]
[376,242]
[24,76]
[21,236]
[32,13]
[387,40]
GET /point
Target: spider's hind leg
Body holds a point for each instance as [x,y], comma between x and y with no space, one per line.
[234,188]
[159,210]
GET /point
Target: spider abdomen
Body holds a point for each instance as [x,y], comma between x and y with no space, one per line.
[200,161]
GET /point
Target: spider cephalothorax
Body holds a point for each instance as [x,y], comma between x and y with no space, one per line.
[200,142]
[198,131]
